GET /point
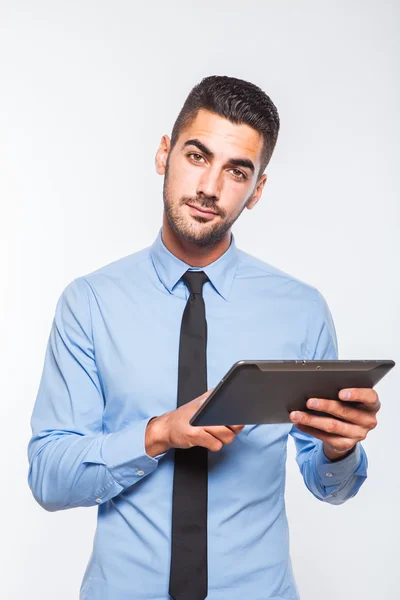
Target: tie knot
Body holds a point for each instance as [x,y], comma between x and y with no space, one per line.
[195,281]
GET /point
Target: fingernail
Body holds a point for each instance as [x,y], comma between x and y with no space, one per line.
[345,394]
[295,416]
[313,402]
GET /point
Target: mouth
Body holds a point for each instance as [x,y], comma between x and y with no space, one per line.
[202,211]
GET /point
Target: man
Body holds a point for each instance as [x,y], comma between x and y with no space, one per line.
[190,512]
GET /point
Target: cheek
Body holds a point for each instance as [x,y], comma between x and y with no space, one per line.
[233,198]
[183,181]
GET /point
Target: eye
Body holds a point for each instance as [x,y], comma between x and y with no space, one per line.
[238,174]
[195,154]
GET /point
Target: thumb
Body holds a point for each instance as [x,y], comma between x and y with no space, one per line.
[204,396]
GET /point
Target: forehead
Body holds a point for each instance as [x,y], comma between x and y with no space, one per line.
[223,137]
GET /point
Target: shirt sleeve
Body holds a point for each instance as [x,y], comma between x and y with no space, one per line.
[330,481]
[72,460]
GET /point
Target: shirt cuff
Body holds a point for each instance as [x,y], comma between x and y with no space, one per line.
[124,454]
[332,473]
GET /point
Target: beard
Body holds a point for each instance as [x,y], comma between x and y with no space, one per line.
[210,233]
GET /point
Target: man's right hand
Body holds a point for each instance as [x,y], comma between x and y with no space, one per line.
[172,430]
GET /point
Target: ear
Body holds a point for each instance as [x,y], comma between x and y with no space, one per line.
[257,192]
[162,154]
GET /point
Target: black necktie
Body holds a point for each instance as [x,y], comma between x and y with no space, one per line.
[188,577]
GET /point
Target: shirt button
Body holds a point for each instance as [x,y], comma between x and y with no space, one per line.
[98,500]
[140,472]
[328,474]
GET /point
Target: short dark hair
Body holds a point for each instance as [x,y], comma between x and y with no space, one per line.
[238,101]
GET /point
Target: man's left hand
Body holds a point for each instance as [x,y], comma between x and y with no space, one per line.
[340,436]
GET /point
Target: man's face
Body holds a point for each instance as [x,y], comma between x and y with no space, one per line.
[210,177]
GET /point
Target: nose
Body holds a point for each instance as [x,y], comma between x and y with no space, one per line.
[209,185]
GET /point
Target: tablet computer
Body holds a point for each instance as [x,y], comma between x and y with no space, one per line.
[266,391]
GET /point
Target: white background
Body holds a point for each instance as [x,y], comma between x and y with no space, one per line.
[87,90]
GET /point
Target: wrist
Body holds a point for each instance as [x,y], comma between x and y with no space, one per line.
[156,441]
[334,455]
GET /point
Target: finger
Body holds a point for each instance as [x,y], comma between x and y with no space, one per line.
[225,434]
[337,408]
[367,396]
[204,396]
[236,428]
[338,442]
[209,441]
[215,429]
[329,425]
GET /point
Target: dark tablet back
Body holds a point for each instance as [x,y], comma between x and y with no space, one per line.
[266,391]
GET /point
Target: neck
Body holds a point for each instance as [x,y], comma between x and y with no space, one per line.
[190,253]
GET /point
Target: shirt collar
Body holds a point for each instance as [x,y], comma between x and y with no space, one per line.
[170,268]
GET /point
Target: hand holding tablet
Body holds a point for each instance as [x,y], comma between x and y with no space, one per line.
[349,420]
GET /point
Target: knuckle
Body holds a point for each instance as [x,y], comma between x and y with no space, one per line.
[230,437]
[331,426]
[191,434]
[373,423]
[216,446]
[344,444]
[342,448]
[326,405]
[346,411]
[194,437]
[348,446]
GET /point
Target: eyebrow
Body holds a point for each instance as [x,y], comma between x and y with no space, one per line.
[238,162]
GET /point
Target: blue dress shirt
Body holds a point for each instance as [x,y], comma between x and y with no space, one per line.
[111,364]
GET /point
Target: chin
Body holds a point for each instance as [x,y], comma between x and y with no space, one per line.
[204,235]
[195,229]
